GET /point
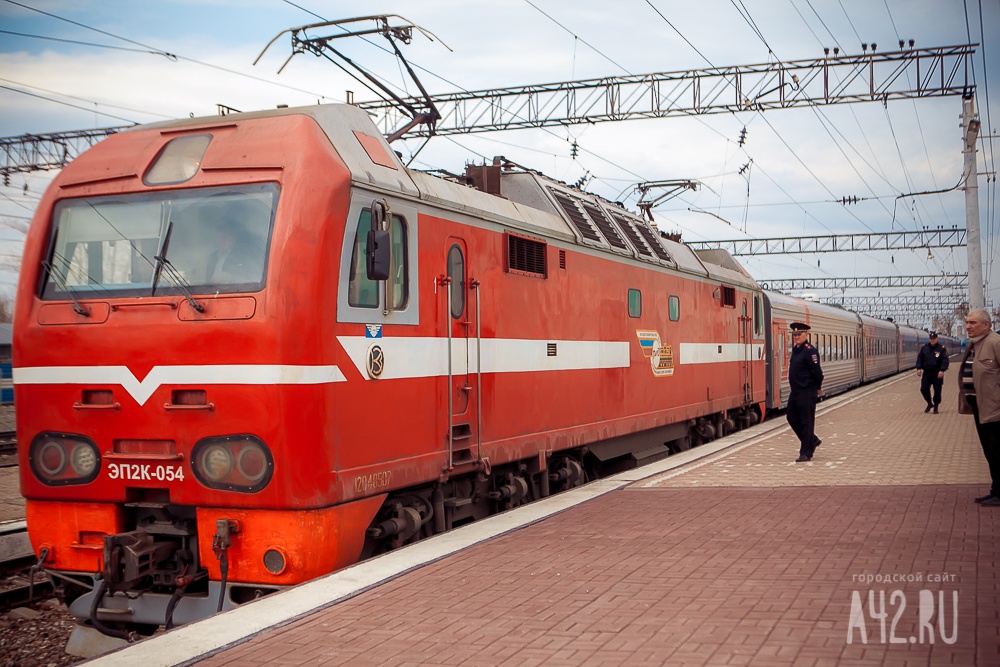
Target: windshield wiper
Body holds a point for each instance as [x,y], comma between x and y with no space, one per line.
[63,285]
[172,273]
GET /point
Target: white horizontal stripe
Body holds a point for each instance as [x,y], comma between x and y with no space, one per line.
[711,353]
[411,357]
[264,374]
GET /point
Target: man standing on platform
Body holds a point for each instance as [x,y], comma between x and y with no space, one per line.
[805,376]
[932,362]
[979,393]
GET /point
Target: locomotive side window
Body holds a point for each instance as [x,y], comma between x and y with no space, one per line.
[399,289]
[728,297]
[204,240]
[363,292]
[456,271]
[758,316]
[634,303]
[675,308]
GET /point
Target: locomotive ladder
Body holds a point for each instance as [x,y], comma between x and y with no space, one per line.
[474,287]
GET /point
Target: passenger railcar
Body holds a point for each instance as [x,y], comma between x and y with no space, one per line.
[835,333]
[950,343]
[880,346]
[910,342]
[258,347]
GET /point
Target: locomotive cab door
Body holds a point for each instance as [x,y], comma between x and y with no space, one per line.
[461,312]
[746,341]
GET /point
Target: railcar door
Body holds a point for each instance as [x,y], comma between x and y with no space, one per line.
[461,310]
[779,350]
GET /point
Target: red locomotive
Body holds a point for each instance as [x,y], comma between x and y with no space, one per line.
[250,350]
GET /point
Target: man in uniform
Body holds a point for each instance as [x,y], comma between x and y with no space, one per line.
[805,376]
[932,362]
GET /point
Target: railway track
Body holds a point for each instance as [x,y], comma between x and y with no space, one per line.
[18,584]
[8,443]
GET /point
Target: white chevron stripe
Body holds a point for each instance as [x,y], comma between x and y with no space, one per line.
[175,375]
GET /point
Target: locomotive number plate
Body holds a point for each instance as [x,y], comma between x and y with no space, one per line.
[146,472]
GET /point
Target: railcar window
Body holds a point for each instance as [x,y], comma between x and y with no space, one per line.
[634,303]
[675,308]
[204,240]
[758,316]
[362,292]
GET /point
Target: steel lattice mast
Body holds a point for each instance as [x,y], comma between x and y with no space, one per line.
[834,79]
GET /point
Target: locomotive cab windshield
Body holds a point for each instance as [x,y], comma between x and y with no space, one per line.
[116,246]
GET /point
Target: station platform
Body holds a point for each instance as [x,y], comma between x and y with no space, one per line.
[873,553]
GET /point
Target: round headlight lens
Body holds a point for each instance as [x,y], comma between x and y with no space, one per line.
[83,459]
[52,458]
[217,462]
[252,463]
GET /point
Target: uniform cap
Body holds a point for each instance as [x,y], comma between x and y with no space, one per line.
[932,334]
[799,326]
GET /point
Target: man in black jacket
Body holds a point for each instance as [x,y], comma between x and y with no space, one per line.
[932,362]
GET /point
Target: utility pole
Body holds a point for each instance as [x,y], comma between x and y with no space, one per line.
[970,123]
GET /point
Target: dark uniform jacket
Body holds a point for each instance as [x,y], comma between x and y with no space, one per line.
[932,358]
[804,372]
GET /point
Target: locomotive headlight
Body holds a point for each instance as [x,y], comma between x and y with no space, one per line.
[64,458]
[233,463]
[252,462]
[217,462]
[83,459]
[52,458]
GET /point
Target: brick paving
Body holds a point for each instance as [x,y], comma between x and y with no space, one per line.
[743,559]
[881,438]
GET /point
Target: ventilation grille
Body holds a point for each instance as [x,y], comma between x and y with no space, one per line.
[626,226]
[650,235]
[526,256]
[604,223]
[576,216]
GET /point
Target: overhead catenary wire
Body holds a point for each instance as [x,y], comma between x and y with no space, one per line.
[167,54]
[75,106]
[437,76]
[82,99]
[804,195]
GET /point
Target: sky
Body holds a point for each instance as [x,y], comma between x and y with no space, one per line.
[81,64]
